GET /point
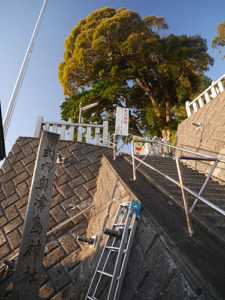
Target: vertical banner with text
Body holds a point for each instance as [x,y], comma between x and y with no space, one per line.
[122,121]
[29,267]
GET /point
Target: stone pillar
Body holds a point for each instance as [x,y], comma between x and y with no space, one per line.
[27,276]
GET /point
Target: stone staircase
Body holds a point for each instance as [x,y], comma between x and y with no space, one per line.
[193,179]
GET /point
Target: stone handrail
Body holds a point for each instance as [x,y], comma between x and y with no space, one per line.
[210,93]
[67,131]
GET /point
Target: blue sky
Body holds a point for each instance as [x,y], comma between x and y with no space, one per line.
[41,93]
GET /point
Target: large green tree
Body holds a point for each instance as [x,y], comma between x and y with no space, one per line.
[219,40]
[117,58]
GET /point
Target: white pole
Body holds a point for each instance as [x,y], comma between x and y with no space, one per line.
[20,77]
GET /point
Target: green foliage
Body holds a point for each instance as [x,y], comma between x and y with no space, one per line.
[219,40]
[116,58]
[109,93]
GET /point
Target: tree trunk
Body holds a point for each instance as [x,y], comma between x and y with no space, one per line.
[135,130]
[166,134]
[146,88]
[167,104]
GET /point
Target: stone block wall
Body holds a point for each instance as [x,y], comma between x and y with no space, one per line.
[208,139]
[154,270]
[110,192]
[73,191]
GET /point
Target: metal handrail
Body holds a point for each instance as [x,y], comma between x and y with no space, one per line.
[180,183]
[185,189]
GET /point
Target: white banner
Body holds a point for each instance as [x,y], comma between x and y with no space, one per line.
[122,121]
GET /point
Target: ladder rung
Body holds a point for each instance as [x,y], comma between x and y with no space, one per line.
[125,204]
[105,273]
[119,225]
[112,248]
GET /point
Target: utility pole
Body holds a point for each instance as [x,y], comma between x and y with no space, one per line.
[22,72]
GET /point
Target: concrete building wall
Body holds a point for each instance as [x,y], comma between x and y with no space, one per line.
[209,138]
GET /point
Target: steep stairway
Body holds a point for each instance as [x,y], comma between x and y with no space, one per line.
[193,179]
[201,256]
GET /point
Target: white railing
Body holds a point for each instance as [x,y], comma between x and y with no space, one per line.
[66,131]
[153,148]
[205,97]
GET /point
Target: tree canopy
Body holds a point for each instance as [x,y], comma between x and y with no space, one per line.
[116,57]
[219,40]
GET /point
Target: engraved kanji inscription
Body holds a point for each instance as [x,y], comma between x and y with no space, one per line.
[41,202]
[36,225]
[29,274]
[47,152]
[43,183]
[46,166]
[33,249]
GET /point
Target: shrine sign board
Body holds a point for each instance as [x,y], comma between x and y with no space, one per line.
[122,121]
[27,276]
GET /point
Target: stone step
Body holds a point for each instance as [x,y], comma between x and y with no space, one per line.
[208,190]
[172,165]
[213,197]
[173,172]
[211,194]
[192,179]
[187,179]
[215,189]
[191,182]
[208,196]
[217,220]
[221,227]
[218,202]
[203,208]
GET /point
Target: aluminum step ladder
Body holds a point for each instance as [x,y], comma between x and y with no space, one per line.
[109,274]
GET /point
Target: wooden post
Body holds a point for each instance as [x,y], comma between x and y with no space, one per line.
[27,276]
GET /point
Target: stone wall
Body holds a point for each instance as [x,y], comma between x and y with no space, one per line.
[73,191]
[154,268]
[209,138]
[110,192]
